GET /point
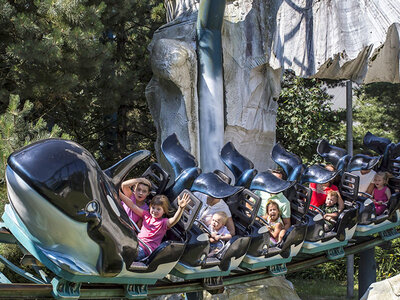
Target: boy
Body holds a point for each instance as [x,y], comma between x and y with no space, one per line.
[331,209]
[137,190]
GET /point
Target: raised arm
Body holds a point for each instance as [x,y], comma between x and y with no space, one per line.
[181,206]
[136,209]
[126,186]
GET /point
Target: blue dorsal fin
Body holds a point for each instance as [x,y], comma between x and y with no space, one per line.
[236,162]
[212,185]
[375,143]
[118,171]
[334,155]
[362,162]
[291,164]
[268,182]
[317,174]
[177,156]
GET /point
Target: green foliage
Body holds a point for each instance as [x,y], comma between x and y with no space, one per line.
[83,65]
[305,116]
[377,109]
[388,260]
[16,132]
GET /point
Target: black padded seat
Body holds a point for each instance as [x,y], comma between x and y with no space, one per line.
[211,262]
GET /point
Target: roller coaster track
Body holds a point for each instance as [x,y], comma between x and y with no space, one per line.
[164,287]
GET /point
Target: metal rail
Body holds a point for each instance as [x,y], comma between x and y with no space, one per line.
[105,291]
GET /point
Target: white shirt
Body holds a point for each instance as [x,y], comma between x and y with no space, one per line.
[207,211]
[222,231]
[365,180]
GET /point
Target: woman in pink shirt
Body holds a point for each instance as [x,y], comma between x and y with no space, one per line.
[137,190]
[154,225]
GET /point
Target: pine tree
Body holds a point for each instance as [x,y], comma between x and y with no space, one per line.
[16,132]
[84,65]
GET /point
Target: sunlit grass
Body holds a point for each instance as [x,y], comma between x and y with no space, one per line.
[312,289]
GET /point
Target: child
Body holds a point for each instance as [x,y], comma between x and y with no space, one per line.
[331,209]
[141,189]
[219,232]
[154,225]
[320,191]
[381,193]
[273,217]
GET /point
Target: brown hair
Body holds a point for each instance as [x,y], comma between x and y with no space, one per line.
[223,215]
[143,181]
[161,200]
[272,202]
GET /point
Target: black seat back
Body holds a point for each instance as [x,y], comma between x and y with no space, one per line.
[348,187]
[244,207]
[190,212]
[300,198]
[158,177]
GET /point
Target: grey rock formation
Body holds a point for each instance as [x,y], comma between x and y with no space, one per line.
[354,39]
[386,289]
[274,288]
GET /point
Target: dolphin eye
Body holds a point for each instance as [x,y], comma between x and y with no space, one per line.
[92,206]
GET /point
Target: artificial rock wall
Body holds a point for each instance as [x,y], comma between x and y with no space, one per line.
[335,39]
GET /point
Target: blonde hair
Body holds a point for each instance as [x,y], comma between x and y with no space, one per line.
[272,202]
[334,194]
[384,175]
[223,215]
[161,200]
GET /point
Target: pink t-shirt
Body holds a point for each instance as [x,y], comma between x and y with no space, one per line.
[380,195]
[134,217]
[153,231]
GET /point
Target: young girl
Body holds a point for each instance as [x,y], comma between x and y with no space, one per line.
[137,190]
[219,232]
[273,217]
[381,193]
[154,225]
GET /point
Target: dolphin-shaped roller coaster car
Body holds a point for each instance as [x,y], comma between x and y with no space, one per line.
[69,208]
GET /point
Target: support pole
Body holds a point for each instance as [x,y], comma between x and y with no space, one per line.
[349,137]
[367,271]
[367,265]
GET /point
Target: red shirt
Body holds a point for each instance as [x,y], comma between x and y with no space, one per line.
[318,197]
[152,231]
